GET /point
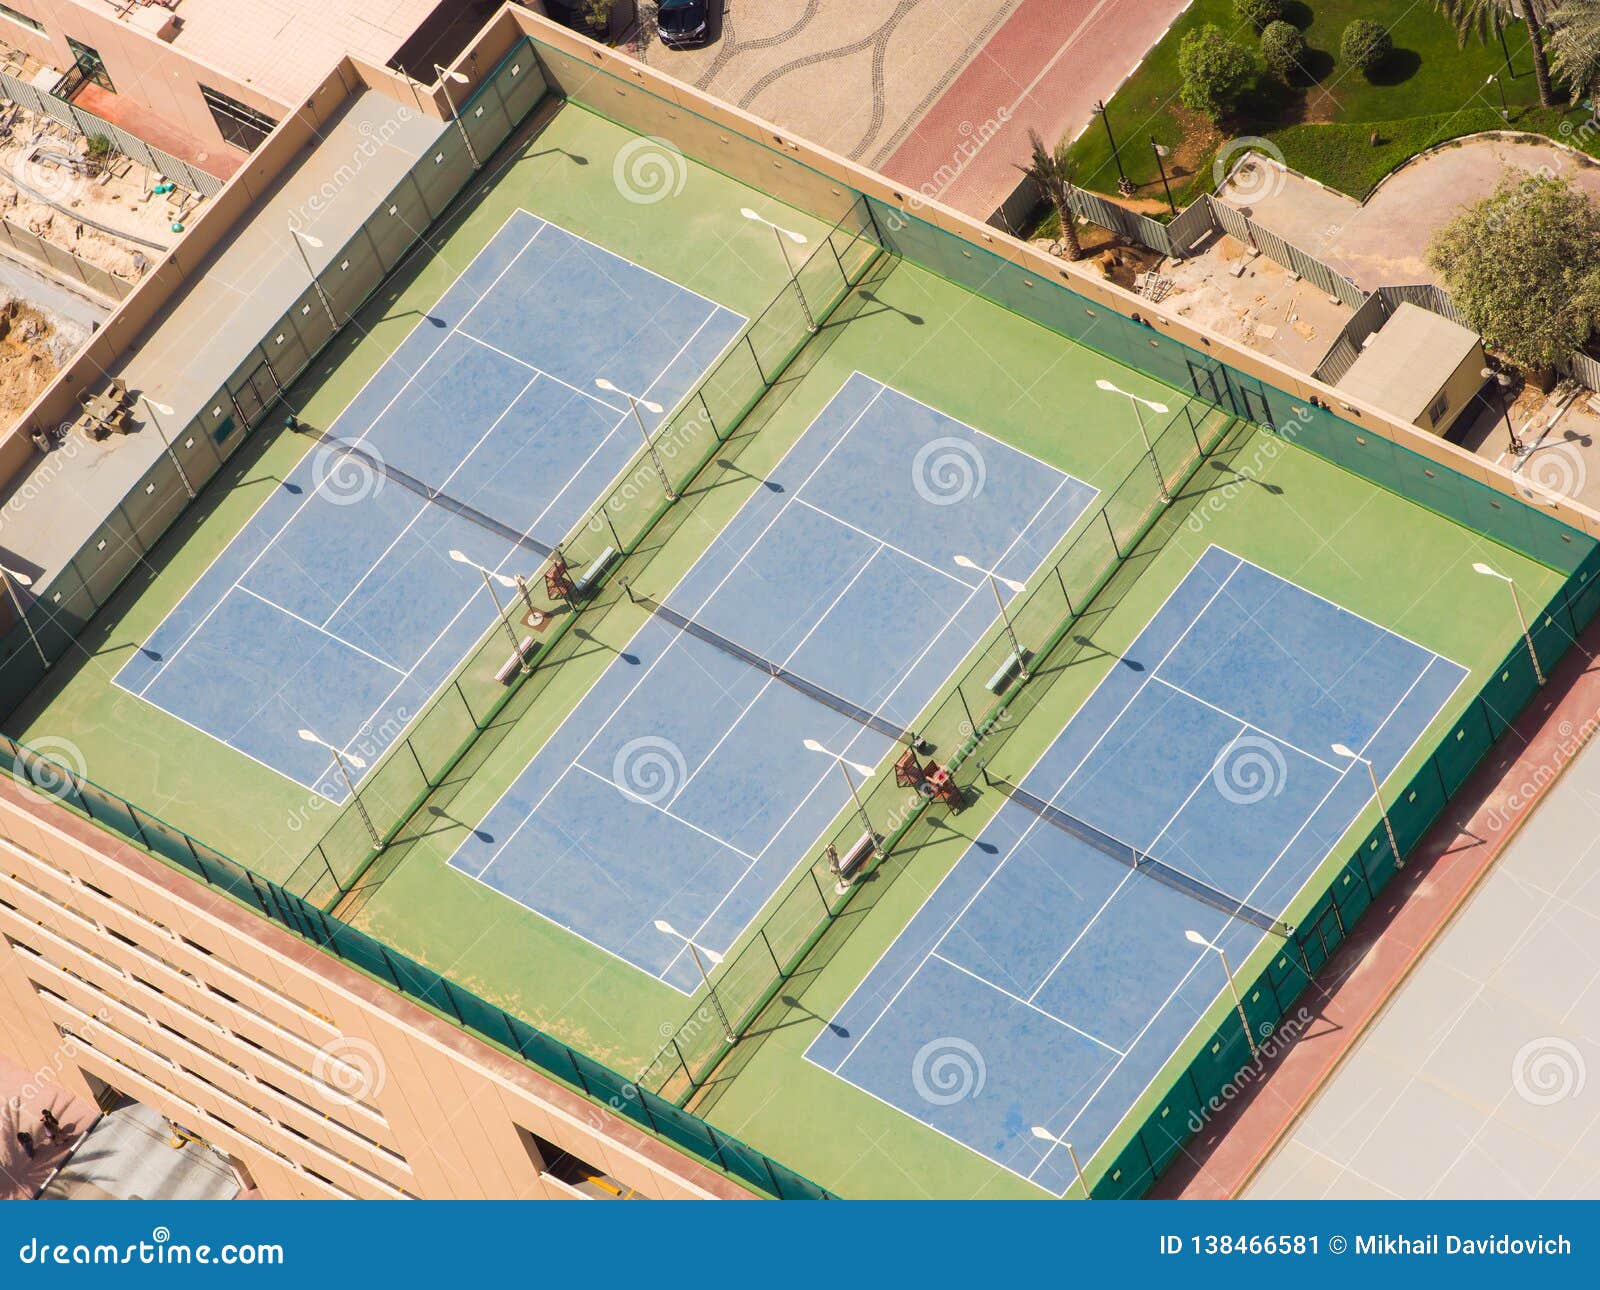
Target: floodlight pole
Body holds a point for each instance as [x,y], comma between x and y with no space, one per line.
[1377,796]
[355,798]
[460,79]
[1139,406]
[505,620]
[1522,619]
[1195,938]
[1040,1131]
[1011,634]
[784,236]
[1503,382]
[11,580]
[327,305]
[1505,111]
[667,929]
[649,443]
[167,443]
[861,810]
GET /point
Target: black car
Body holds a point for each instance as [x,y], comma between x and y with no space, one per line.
[683,22]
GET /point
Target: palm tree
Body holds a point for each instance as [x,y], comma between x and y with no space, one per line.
[1575,40]
[1053,172]
[1486,18]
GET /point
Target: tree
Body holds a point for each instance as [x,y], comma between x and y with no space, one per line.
[1575,45]
[1259,13]
[1365,45]
[1523,266]
[1053,172]
[1487,18]
[1217,72]
[1283,49]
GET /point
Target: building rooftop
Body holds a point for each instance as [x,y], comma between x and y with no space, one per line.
[1406,362]
[732,676]
[291,43]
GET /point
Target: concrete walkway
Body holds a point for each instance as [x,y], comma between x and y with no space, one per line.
[1384,241]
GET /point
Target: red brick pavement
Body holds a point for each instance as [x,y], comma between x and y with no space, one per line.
[22,1097]
[1043,69]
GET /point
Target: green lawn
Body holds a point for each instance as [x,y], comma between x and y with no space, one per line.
[1431,90]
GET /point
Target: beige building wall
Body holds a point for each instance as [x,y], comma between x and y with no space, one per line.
[153,72]
[318,1082]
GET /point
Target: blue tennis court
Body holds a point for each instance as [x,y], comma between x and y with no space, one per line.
[681,789]
[337,607]
[1044,983]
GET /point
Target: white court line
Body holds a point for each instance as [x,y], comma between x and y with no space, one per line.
[311,494]
[1026,1003]
[316,627]
[1248,725]
[889,546]
[542,224]
[1034,820]
[1432,657]
[677,819]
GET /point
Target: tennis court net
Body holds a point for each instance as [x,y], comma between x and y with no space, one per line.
[438,497]
[1131,857]
[775,670]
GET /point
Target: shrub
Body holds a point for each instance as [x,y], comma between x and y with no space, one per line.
[1365,45]
[1259,13]
[1217,72]
[1283,49]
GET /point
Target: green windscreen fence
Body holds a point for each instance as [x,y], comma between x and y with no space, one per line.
[967,722]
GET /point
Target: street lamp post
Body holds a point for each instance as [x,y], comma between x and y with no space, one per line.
[316,244]
[667,929]
[1044,1135]
[1522,621]
[13,580]
[1124,184]
[1194,938]
[1504,383]
[1162,152]
[166,443]
[1340,750]
[1505,110]
[785,236]
[634,404]
[1160,409]
[339,758]
[460,79]
[490,577]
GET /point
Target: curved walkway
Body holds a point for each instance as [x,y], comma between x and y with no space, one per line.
[1384,241]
